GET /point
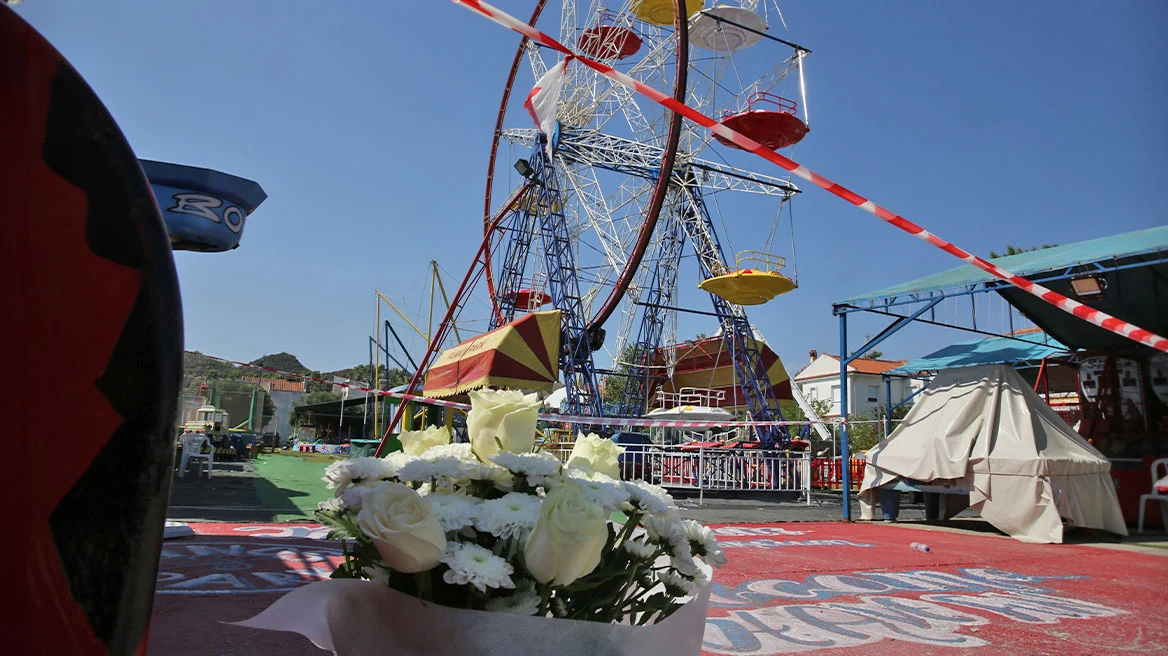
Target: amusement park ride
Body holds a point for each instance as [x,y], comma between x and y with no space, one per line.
[612,198]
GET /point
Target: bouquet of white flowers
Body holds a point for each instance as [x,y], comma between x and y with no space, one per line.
[498,526]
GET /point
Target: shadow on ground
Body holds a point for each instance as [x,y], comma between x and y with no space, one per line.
[239,491]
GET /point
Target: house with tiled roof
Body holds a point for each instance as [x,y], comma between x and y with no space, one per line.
[284,394]
[820,381]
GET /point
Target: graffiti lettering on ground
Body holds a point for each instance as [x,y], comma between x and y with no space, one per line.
[282,531]
[242,567]
[880,611]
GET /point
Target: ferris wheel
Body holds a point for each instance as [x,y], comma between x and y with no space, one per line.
[599,214]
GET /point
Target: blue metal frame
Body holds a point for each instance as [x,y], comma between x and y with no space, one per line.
[542,211]
[521,227]
[749,370]
[658,297]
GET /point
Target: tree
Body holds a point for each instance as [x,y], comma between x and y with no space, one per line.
[1015,250]
[283,361]
[792,412]
[873,354]
[617,384]
[864,436]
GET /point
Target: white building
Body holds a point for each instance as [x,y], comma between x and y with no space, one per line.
[820,380]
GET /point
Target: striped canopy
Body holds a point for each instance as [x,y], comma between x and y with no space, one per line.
[523,354]
[708,364]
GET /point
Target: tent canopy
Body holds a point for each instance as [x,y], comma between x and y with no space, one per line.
[984,429]
[1027,349]
[523,354]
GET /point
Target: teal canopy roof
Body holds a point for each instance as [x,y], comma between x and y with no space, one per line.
[992,350]
[1035,262]
[1133,266]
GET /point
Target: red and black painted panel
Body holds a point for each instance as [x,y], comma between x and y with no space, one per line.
[95,359]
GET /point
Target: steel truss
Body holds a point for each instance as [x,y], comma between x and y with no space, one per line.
[542,211]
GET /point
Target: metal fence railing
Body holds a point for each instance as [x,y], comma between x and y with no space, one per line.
[827,473]
[712,469]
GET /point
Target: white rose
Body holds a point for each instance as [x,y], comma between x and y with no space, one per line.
[505,417]
[415,443]
[568,538]
[593,453]
[401,526]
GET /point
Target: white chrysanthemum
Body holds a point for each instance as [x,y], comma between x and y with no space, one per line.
[705,574]
[512,515]
[703,543]
[421,469]
[393,462]
[675,585]
[528,464]
[650,498]
[546,482]
[639,550]
[332,505]
[425,489]
[604,491]
[669,533]
[343,473]
[525,601]
[352,498]
[471,564]
[497,476]
[461,451]
[453,511]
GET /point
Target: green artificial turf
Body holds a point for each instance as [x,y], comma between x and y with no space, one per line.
[291,484]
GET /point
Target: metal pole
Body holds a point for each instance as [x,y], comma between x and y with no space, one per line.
[807,475]
[887,406]
[845,456]
[803,92]
[377,362]
[701,476]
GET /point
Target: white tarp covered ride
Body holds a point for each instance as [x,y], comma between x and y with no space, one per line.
[984,430]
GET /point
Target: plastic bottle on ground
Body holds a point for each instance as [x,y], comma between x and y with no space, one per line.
[920,547]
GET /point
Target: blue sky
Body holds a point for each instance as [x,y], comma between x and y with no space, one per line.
[368,124]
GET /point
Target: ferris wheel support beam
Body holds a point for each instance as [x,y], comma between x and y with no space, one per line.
[522,231]
[750,372]
[660,294]
[593,148]
[545,203]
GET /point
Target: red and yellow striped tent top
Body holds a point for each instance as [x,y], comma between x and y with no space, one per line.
[708,364]
[523,354]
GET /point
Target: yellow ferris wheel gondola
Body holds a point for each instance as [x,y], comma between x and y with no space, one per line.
[661,12]
[755,281]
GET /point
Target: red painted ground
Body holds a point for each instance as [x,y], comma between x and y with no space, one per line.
[788,588]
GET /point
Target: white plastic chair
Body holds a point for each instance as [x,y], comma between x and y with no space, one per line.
[192,449]
[1158,465]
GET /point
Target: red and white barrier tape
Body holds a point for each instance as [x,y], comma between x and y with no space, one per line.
[1101,319]
[553,418]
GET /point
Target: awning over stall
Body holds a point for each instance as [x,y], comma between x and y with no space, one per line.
[523,354]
